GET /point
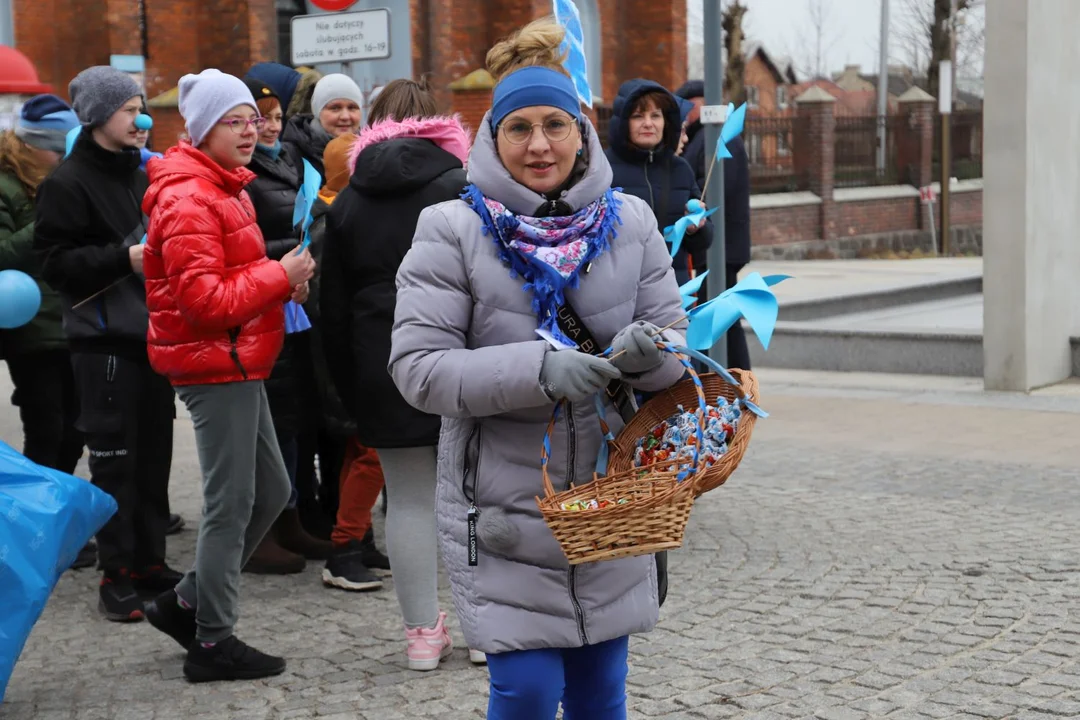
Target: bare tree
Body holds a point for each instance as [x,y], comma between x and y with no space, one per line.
[735,68]
[924,37]
[818,40]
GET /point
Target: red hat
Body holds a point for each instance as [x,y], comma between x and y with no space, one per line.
[17,74]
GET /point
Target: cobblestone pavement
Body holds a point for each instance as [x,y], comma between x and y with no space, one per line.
[874,557]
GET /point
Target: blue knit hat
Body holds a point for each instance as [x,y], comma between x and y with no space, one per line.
[44,122]
[282,79]
[530,87]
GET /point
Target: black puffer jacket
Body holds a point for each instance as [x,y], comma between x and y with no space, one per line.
[310,139]
[736,191]
[370,229]
[658,177]
[273,193]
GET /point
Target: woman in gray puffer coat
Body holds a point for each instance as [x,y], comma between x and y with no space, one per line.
[538,225]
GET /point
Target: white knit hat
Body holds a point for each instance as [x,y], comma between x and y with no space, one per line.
[206,97]
[335,87]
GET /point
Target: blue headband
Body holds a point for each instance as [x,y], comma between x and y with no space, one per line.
[530,87]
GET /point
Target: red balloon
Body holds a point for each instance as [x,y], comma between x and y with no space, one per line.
[333,5]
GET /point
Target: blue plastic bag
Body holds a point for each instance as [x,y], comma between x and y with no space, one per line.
[46,518]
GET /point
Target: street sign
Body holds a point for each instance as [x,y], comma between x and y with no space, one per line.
[341,37]
[333,5]
[927,195]
[566,13]
[713,114]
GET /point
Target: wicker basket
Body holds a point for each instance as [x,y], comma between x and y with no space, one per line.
[666,404]
[653,518]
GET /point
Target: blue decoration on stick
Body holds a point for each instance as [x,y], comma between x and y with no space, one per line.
[750,298]
[696,214]
[730,129]
[296,320]
[690,290]
[305,201]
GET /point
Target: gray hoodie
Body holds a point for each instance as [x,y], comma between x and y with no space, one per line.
[465,348]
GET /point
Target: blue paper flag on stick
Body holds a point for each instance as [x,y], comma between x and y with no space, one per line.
[750,298]
[305,201]
[296,320]
[730,130]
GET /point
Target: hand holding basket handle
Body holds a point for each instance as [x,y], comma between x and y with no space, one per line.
[575,376]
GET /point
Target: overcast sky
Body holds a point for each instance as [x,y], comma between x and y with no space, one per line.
[852,36]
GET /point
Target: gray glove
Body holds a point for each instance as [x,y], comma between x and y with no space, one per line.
[638,348]
[575,376]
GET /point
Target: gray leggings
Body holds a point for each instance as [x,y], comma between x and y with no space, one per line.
[411,539]
[245,488]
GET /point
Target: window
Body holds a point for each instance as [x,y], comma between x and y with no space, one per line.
[590,26]
[781,96]
[286,11]
[7,24]
[782,144]
[754,150]
[752,96]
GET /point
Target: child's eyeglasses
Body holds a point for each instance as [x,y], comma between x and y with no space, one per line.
[238,126]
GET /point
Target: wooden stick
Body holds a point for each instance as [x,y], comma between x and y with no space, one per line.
[666,327]
[708,175]
[105,289]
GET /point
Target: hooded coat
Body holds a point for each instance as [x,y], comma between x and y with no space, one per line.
[464,347]
[659,177]
[309,137]
[215,299]
[400,168]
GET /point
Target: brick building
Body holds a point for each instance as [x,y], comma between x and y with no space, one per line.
[630,38]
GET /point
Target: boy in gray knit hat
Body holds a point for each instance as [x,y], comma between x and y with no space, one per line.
[87,233]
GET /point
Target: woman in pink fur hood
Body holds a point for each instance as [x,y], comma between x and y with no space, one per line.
[408,158]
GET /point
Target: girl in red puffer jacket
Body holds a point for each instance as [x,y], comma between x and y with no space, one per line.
[216,325]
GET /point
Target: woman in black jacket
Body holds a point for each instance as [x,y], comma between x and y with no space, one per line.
[642,139]
[278,172]
[407,159]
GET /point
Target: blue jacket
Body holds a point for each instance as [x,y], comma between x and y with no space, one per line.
[659,177]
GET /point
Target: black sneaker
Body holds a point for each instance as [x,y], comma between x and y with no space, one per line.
[155,579]
[117,599]
[371,556]
[346,569]
[165,614]
[229,659]
[176,524]
[87,557]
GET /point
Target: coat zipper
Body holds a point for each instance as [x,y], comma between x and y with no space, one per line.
[571,580]
[473,515]
[652,198]
[234,351]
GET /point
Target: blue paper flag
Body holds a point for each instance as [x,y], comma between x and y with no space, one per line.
[48,516]
[305,201]
[296,320]
[566,14]
[690,289]
[674,234]
[730,129]
[750,298]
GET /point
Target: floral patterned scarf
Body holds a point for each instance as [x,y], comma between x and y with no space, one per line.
[549,252]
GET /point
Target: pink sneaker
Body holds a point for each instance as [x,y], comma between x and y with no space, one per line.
[427,646]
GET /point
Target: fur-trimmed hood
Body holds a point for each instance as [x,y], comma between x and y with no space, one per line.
[446,132]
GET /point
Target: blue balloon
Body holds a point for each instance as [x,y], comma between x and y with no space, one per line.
[143,122]
[20,299]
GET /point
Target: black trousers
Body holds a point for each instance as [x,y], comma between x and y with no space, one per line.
[126,413]
[48,407]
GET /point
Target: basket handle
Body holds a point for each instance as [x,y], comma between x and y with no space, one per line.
[720,370]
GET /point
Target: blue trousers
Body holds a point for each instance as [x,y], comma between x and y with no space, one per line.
[590,682]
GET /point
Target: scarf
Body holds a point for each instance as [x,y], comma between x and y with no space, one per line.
[548,253]
[271,151]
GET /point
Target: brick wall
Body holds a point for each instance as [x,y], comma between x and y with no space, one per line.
[876,216]
[777,226]
[965,208]
[760,76]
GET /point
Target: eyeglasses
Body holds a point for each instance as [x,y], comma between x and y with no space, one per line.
[238,126]
[519,132]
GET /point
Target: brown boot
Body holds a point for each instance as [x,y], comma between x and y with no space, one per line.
[272,559]
[293,537]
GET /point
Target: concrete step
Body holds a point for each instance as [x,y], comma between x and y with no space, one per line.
[920,292]
[801,346]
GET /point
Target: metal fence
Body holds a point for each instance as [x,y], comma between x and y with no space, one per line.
[967,142]
[855,158]
[770,145]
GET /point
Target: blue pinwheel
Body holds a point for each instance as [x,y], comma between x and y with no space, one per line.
[690,290]
[750,298]
[730,129]
[305,201]
[696,214]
